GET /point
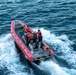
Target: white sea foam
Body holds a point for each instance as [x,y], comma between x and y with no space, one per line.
[60,44]
[54,69]
[10,58]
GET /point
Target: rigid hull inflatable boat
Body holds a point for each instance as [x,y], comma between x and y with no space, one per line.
[32,54]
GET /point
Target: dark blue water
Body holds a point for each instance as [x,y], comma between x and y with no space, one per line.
[57,21]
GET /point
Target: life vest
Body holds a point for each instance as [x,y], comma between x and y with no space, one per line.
[30,36]
[24,26]
[28,29]
[39,34]
[46,49]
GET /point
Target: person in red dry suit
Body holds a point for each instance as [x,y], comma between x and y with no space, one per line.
[39,35]
[27,28]
[30,37]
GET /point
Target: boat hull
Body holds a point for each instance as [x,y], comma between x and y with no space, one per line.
[17,31]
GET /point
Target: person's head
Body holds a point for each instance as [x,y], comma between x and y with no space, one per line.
[38,30]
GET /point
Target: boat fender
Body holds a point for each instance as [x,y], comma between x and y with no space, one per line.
[46,49]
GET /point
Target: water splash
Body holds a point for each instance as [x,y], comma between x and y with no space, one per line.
[55,69]
[9,58]
[62,47]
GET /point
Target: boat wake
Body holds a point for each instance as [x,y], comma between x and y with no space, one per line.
[9,58]
[64,53]
[54,68]
[10,62]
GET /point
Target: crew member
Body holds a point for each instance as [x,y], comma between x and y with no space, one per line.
[30,37]
[35,37]
[39,35]
[27,29]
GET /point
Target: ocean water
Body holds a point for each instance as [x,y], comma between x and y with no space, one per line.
[57,21]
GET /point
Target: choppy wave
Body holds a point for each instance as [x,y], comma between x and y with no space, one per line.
[9,58]
[10,1]
[62,47]
[58,19]
[55,69]
[10,61]
[63,50]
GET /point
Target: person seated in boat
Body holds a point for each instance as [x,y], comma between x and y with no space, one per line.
[35,43]
[35,37]
[27,29]
[26,38]
[30,37]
